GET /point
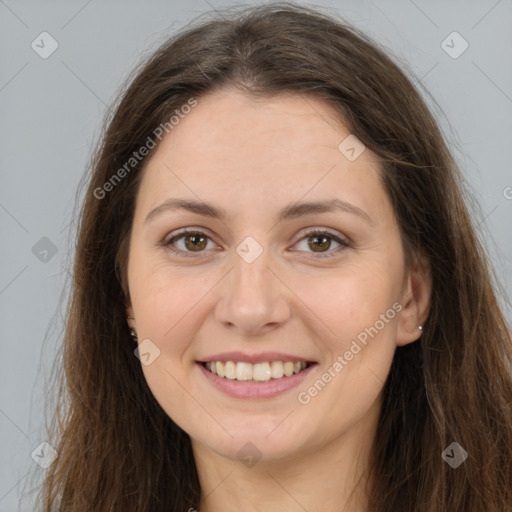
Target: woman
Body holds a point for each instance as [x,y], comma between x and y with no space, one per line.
[279,300]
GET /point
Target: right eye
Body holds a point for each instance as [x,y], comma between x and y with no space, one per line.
[194,241]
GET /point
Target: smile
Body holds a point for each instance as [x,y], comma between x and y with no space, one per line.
[258,372]
[258,380]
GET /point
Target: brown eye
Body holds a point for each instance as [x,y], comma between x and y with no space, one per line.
[187,242]
[195,242]
[319,243]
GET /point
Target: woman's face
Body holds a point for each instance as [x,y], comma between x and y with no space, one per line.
[267,282]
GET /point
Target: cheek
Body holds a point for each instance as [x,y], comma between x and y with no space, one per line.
[356,313]
[165,301]
[359,308]
[349,299]
[167,304]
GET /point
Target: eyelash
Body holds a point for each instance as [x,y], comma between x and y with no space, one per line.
[315,232]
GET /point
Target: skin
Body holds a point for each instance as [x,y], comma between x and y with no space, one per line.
[252,158]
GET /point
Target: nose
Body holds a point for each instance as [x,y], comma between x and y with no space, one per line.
[253,299]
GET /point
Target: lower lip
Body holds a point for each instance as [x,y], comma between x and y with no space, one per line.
[244,389]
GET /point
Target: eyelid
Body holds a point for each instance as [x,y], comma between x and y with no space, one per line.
[343,241]
[180,233]
[320,229]
[339,238]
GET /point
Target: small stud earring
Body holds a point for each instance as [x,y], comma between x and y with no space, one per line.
[133,334]
[420,327]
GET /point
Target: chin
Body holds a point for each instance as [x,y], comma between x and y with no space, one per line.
[259,437]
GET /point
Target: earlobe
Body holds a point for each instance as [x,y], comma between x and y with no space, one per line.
[131,323]
[130,319]
[416,297]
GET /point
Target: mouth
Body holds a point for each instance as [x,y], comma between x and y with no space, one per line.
[264,371]
[257,380]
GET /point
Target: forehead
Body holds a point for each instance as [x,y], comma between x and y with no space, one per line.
[247,152]
[273,130]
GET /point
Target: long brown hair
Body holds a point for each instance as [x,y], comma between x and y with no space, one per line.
[118,450]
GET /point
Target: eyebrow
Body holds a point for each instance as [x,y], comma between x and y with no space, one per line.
[292,211]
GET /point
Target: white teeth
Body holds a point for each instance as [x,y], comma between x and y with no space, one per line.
[276,369]
[261,372]
[221,369]
[230,370]
[243,371]
[288,368]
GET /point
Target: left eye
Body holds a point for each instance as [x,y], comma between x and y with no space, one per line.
[319,241]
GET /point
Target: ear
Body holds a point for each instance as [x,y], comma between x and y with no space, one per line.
[130,317]
[415,299]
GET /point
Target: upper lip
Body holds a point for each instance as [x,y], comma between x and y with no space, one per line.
[254,358]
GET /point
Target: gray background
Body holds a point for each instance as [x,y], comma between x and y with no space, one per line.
[51,112]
